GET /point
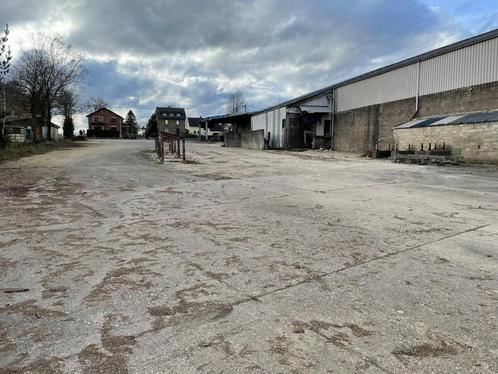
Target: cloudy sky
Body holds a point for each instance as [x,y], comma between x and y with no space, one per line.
[194,53]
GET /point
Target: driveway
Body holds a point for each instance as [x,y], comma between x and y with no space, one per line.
[245,261]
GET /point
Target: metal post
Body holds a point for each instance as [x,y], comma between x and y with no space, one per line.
[332,118]
[418,88]
[206,129]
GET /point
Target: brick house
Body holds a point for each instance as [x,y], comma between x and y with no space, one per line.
[106,120]
[171,120]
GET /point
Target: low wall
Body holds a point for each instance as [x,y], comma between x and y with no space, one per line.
[253,139]
[232,139]
[469,142]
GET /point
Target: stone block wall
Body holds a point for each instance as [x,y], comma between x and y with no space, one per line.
[359,130]
[253,139]
[470,142]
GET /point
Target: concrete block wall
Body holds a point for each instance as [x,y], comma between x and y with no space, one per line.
[359,129]
[470,142]
[253,139]
[232,139]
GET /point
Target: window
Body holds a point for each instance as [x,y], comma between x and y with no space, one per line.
[166,122]
[97,119]
[177,122]
[113,119]
[178,114]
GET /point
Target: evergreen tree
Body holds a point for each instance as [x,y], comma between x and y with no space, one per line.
[131,122]
[151,128]
[68,128]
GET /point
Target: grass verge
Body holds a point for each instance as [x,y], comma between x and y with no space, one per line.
[16,151]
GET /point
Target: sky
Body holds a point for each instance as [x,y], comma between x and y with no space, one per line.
[195,53]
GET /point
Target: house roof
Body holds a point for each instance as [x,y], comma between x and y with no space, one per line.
[228,118]
[98,110]
[409,61]
[455,119]
[170,113]
[194,121]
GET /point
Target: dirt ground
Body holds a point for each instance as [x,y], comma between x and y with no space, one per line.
[245,261]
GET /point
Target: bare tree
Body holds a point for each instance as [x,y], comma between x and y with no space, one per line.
[96,103]
[44,73]
[5,57]
[236,103]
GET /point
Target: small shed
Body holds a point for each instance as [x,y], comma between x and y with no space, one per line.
[469,137]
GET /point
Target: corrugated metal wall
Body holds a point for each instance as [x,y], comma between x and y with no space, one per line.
[394,85]
[473,65]
[469,66]
[271,122]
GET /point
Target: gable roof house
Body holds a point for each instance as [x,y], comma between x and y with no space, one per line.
[171,120]
[104,122]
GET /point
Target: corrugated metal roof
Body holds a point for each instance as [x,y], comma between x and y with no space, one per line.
[460,119]
[409,124]
[446,120]
[480,117]
[428,121]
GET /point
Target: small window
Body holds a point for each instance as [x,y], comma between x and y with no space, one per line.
[177,122]
[166,122]
[178,114]
[113,119]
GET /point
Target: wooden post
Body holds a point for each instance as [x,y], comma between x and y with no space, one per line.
[160,147]
[178,147]
[183,148]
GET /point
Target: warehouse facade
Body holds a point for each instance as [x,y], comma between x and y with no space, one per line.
[359,114]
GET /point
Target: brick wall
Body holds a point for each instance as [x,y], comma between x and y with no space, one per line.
[106,117]
[358,130]
[470,142]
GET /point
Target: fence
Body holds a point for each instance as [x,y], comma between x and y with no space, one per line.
[173,141]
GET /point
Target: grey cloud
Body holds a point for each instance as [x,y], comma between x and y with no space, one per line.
[194,52]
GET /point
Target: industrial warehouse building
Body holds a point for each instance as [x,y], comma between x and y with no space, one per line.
[359,114]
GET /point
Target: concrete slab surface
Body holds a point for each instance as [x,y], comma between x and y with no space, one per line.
[245,261]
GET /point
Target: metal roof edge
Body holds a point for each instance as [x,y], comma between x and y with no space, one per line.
[409,61]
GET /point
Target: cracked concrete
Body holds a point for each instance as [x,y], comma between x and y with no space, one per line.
[245,261]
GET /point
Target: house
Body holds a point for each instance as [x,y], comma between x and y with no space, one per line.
[21,130]
[193,125]
[105,123]
[171,120]
[358,114]
[468,137]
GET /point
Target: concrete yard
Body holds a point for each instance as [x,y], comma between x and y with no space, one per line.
[245,262]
